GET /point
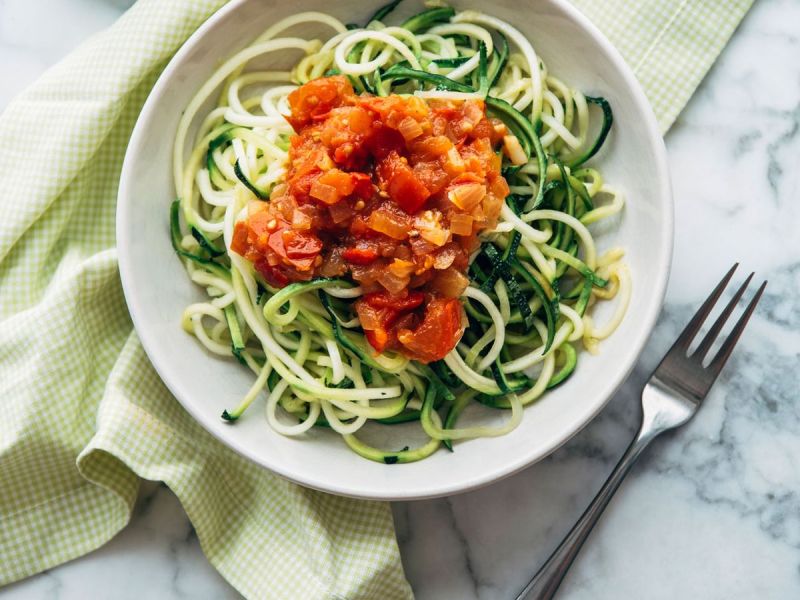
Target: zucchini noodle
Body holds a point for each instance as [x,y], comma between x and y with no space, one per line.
[533,282]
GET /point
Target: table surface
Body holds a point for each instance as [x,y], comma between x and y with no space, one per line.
[711,511]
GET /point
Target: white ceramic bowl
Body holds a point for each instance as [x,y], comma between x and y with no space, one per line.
[157,288]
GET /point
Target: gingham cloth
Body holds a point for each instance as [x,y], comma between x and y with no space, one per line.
[83,416]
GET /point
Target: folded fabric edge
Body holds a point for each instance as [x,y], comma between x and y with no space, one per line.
[102,513]
[704,59]
[240,511]
[104,443]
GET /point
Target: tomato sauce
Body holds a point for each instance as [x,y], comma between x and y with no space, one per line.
[391,191]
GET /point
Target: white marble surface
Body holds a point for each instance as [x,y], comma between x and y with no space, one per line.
[711,512]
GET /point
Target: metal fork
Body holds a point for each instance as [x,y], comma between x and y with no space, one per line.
[670,398]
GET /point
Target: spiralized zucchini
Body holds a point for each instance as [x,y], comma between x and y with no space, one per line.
[533,282]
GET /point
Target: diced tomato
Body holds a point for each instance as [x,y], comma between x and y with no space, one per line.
[276,243]
[377,338]
[359,120]
[259,224]
[301,244]
[402,303]
[377,324]
[316,98]
[390,191]
[360,256]
[343,133]
[390,109]
[239,241]
[484,129]
[431,175]
[437,335]
[380,313]
[274,276]
[362,185]
[409,320]
[498,186]
[402,185]
[344,153]
[408,191]
[359,227]
[302,265]
[343,182]
[384,140]
[300,186]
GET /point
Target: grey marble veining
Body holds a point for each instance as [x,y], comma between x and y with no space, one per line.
[712,511]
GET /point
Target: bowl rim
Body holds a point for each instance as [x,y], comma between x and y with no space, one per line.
[608,389]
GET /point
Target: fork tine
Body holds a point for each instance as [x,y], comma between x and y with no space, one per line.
[687,335]
[712,334]
[727,347]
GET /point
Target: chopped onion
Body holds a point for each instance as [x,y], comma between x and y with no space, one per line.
[285,205]
[454,164]
[333,265]
[467,195]
[340,211]
[403,268]
[491,208]
[324,162]
[393,224]
[420,246]
[437,237]
[429,227]
[392,282]
[473,111]
[402,251]
[368,316]
[409,129]
[326,193]
[431,148]
[514,150]
[256,206]
[449,283]
[461,224]
[499,127]
[445,257]
[300,220]
[499,187]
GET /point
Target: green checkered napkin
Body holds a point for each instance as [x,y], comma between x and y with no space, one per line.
[83,415]
[669,44]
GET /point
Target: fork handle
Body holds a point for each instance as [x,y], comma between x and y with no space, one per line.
[544,584]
